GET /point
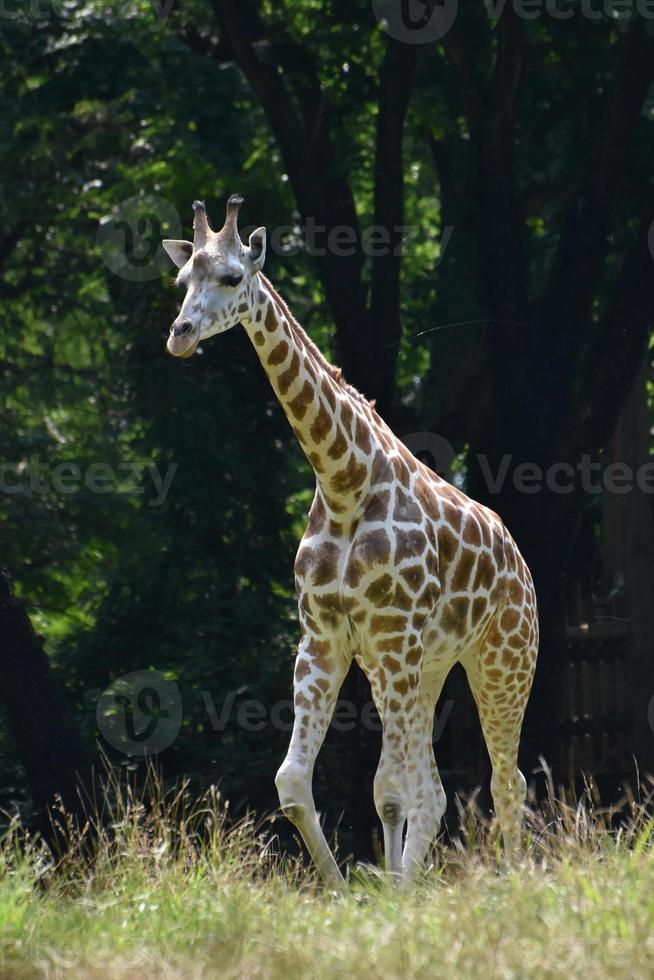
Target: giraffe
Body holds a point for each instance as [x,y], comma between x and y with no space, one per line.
[397,569]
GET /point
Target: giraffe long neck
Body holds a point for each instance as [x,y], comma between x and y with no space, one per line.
[334,424]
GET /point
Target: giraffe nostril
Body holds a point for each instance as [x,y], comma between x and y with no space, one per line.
[179,329]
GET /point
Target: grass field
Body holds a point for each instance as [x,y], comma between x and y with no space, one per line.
[155,902]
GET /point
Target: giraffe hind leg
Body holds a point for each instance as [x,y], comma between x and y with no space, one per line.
[391,791]
[500,677]
[428,801]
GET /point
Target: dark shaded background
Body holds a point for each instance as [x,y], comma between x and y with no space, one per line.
[509,163]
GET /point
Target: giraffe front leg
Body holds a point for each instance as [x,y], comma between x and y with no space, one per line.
[395,687]
[319,673]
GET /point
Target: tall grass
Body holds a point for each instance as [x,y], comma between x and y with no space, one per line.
[171,888]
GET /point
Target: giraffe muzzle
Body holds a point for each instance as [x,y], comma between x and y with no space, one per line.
[182,340]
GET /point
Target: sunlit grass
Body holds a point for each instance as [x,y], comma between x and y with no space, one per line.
[173,890]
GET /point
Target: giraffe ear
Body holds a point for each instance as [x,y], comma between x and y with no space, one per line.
[257,248]
[180,252]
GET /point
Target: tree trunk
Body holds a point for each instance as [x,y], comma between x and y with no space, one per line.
[47,744]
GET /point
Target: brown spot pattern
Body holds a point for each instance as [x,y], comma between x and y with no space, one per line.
[338,447]
[349,478]
[321,425]
[409,544]
[287,377]
[278,354]
[271,319]
[301,402]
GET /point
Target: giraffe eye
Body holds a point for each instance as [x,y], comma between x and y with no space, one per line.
[231,280]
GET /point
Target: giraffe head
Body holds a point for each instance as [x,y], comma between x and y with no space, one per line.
[217,270]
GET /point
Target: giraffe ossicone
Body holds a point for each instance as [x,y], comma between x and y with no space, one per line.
[397,569]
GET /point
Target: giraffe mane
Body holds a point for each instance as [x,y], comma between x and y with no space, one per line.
[334,372]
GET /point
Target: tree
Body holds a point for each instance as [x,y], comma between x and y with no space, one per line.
[47,742]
